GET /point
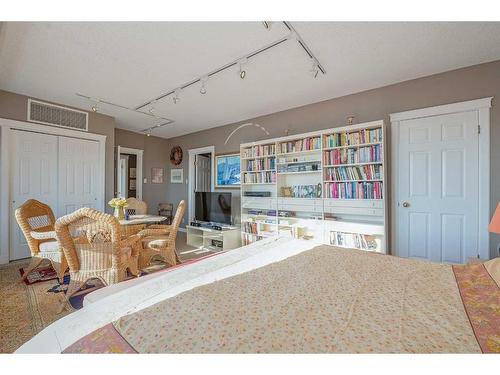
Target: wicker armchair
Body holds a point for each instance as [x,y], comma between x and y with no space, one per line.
[95,249]
[136,207]
[36,220]
[159,240]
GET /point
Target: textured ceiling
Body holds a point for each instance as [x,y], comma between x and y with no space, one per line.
[131,63]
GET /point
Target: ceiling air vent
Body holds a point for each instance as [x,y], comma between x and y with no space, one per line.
[51,114]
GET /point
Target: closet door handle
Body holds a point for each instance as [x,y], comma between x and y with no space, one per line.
[406,204]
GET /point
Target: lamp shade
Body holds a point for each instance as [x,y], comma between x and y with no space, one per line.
[494,226]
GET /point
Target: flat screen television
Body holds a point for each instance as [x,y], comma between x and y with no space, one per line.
[213,207]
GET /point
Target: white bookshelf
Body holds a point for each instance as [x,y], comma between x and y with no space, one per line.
[299,201]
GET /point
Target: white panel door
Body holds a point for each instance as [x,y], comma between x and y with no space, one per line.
[79,178]
[33,170]
[203,175]
[438,187]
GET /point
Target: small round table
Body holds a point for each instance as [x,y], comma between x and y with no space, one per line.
[143,219]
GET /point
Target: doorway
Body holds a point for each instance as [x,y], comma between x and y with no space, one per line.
[201,174]
[129,172]
[441,183]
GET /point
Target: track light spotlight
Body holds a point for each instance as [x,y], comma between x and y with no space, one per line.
[242,72]
[94,108]
[203,89]
[177,97]
[315,69]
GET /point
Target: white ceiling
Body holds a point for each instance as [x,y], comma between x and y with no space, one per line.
[131,63]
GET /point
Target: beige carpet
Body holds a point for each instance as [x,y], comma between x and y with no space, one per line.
[26,309]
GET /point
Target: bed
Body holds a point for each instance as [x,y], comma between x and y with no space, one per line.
[289,296]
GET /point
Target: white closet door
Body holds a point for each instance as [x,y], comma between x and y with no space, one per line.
[33,169]
[438,187]
[78,174]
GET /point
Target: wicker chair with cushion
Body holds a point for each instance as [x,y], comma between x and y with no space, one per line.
[36,220]
[159,240]
[136,207]
[95,249]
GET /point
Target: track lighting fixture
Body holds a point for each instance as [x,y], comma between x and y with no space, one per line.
[177,97]
[94,108]
[148,134]
[267,25]
[203,89]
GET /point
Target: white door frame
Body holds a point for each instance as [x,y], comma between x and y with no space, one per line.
[6,127]
[133,151]
[482,106]
[191,175]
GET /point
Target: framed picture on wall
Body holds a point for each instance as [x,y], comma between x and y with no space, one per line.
[133,172]
[227,170]
[176,176]
[132,184]
[157,175]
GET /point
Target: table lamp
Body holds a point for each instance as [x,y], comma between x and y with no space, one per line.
[494,226]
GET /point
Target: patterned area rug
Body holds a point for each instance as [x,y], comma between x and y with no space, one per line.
[26,309]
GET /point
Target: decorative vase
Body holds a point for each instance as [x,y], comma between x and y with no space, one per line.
[119,213]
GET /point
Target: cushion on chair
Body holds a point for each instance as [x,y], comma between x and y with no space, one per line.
[155,242]
[43,235]
[49,246]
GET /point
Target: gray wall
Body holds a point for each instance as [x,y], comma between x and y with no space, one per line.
[156,155]
[15,107]
[459,85]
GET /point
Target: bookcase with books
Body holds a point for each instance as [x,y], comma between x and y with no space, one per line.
[258,192]
[354,187]
[327,186]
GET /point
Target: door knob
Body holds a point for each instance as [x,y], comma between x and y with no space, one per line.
[406,204]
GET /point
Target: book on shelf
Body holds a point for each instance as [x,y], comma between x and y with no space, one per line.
[354,190]
[255,228]
[268,177]
[301,191]
[353,240]
[261,164]
[365,154]
[305,144]
[353,138]
[257,151]
[361,172]
[307,166]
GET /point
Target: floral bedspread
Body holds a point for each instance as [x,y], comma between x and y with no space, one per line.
[326,300]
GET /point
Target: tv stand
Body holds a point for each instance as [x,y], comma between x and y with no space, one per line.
[204,237]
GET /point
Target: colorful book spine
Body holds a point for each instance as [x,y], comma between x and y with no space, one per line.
[353,138]
[257,151]
[306,144]
[361,172]
[259,177]
[354,190]
[261,164]
[366,154]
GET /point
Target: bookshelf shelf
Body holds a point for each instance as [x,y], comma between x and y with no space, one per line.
[299,152]
[300,172]
[351,170]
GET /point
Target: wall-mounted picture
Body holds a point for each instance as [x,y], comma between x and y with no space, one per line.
[227,170]
[157,175]
[132,184]
[132,172]
[176,176]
